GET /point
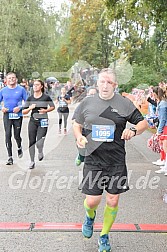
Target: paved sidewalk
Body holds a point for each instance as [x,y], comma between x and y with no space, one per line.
[34,197]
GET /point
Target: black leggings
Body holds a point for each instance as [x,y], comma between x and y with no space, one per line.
[8,123]
[36,135]
[65,116]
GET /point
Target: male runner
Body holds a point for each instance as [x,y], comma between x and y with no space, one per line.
[104,117]
[12,96]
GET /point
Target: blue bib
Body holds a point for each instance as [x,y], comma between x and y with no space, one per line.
[13,116]
[103,133]
[44,123]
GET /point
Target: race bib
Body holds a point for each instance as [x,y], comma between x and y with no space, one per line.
[44,123]
[13,116]
[103,133]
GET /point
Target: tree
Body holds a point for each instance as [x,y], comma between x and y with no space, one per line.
[89,32]
[24,43]
[132,21]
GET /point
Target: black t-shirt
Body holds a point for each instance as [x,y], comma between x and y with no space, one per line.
[116,112]
[61,102]
[42,102]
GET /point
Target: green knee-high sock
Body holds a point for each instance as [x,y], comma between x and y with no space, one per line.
[110,214]
[90,212]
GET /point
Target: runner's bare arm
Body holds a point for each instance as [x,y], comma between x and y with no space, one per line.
[140,127]
[27,110]
[81,140]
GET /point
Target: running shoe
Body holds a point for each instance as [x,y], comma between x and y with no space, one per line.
[104,244]
[87,227]
[10,161]
[32,165]
[20,152]
[77,161]
[159,162]
[65,132]
[40,156]
[162,170]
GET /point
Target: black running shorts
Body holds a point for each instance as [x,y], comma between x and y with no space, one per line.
[96,178]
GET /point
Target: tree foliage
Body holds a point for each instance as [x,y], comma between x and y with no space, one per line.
[90,35]
[141,32]
[24,36]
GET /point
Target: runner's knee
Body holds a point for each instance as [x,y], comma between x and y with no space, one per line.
[112,200]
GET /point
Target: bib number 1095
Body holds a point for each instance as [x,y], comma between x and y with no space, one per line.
[103,133]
